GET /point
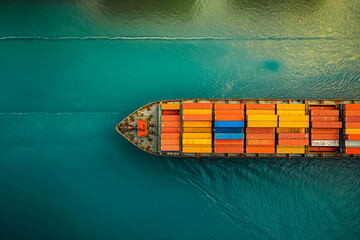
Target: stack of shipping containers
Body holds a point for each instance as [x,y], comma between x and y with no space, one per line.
[170,127]
[292,136]
[352,128]
[260,131]
[324,128]
[197,131]
[229,128]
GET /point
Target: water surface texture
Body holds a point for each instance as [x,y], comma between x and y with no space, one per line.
[71,70]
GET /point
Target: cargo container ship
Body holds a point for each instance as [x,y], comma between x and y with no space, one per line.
[242,128]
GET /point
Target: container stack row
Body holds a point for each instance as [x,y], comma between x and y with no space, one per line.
[352,128]
[325,127]
[292,137]
[197,127]
[260,130]
[170,127]
[229,128]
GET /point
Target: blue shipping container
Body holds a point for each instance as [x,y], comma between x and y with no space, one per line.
[228,130]
[229,136]
[229,123]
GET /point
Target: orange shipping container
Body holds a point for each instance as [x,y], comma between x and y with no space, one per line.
[170,147]
[324,136]
[324,130]
[352,137]
[322,149]
[348,113]
[170,130]
[258,136]
[170,124]
[228,106]
[352,106]
[229,112]
[293,142]
[218,142]
[260,149]
[228,149]
[170,118]
[260,130]
[170,106]
[197,105]
[170,112]
[352,125]
[229,117]
[170,141]
[352,119]
[170,135]
[324,112]
[257,106]
[260,142]
[327,124]
[324,119]
[352,150]
[197,117]
[317,107]
[293,135]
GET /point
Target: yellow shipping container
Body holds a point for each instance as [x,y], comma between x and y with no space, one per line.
[290,112]
[197,149]
[198,111]
[352,131]
[197,130]
[294,118]
[195,141]
[262,117]
[290,146]
[265,124]
[294,124]
[281,106]
[198,124]
[260,112]
[290,130]
[300,150]
[197,135]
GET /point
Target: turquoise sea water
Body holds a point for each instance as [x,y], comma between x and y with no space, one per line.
[71,70]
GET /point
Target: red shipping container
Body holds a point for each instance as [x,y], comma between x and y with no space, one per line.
[259,136]
[220,142]
[352,125]
[324,136]
[197,117]
[260,142]
[317,107]
[197,105]
[352,137]
[324,112]
[170,118]
[293,135]
[352,150]
[257,106]
[326,124]
[260,149]
[170,130]
[348,113]
[229,117]
[324,119]
[260,130]
[322,149]
[229,112]
[170,148]
[170,124]
[170,135]
[324,130]
[293,142]
[352,119]
[228,106]
[170,141]
[170,112]
[352,106]
[228,149]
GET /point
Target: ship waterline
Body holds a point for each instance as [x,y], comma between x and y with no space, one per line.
[241,128]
